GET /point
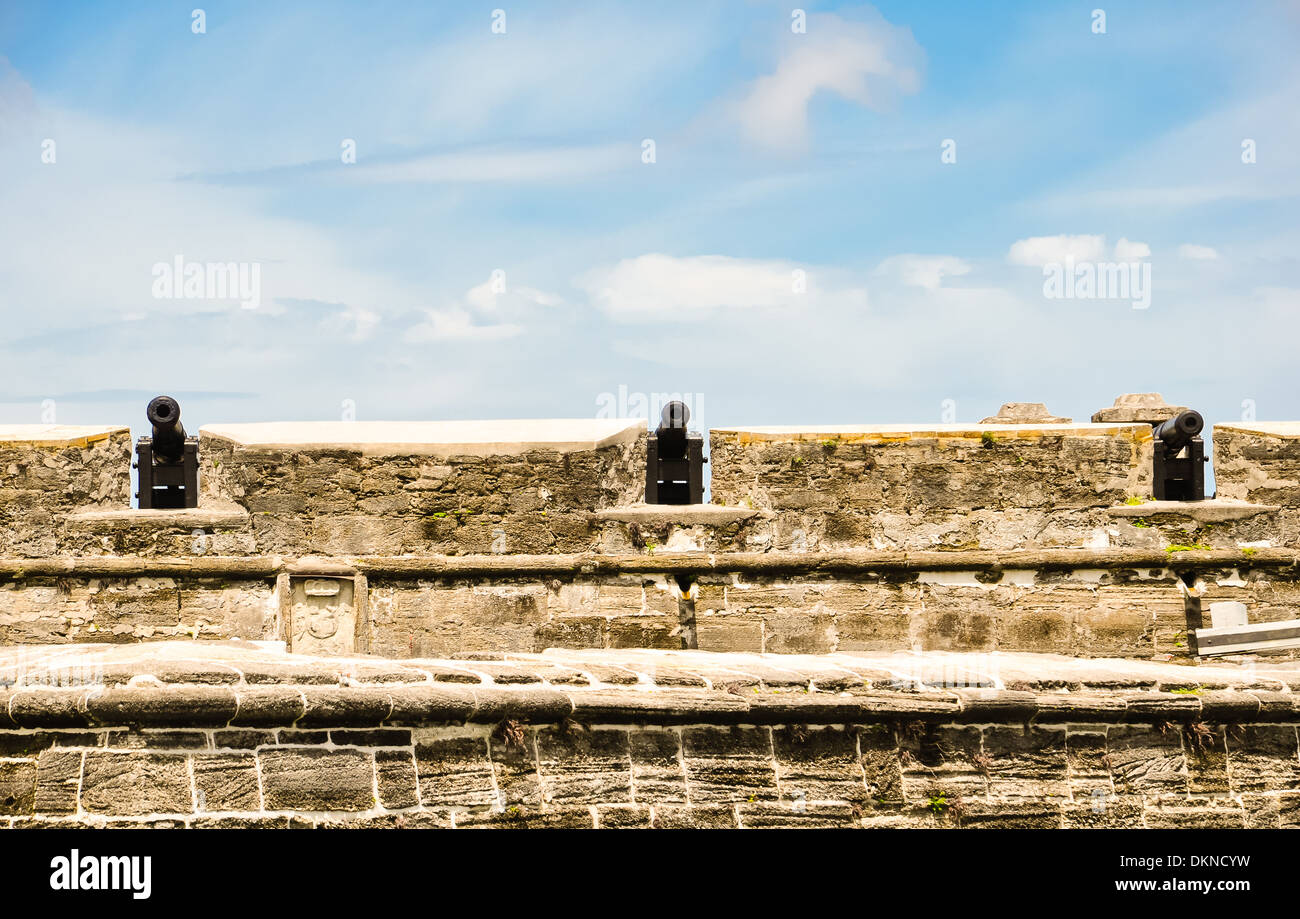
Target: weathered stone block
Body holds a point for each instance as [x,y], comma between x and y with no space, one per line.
[729,764]
[1024,762]
[581,765]
[798,633]
[454,771]
[17,787]
[1223,815]
[797,815]
[818,764]
[58,777]
[398,781]
[135,783]
[1146,760]
[317,780]
[623,817]
[881,765]
[1086,763]
[1207,758]
[1102,811]
[657,774]
[942,760]
[514,766]
[1263,757]
[728,633]
[226,782]
[669,817]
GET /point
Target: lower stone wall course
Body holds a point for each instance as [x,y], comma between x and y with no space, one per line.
[690,740]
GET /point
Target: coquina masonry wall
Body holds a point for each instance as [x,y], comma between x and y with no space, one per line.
[245,740]
[964,537]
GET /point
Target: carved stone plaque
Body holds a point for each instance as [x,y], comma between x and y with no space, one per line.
[323,615]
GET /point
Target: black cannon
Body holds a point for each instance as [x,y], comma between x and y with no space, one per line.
[675,464]
[168,462]
[1179,467]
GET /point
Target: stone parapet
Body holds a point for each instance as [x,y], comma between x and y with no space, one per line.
[50,470]
[951,486]
[1259,462]
[437,487]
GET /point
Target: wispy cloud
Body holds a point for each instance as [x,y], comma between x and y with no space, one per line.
[868,62]
[927,271]
[657,286]
[493,165]
[1197,253]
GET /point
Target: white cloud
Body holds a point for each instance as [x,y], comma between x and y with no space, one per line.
[456,324]
[494,296]
[1037,251]
[354,322]
[926,271]
[864,62]
[489,311]
[1126,251]
[1197,253]
[656,285]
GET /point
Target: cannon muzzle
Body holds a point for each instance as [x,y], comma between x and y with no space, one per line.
[674,416]
[672,430]
[164,413]
[1178,431]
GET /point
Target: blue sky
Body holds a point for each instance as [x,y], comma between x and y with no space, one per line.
[519,156]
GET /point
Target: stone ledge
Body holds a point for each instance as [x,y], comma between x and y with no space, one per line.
[658,515]
[213,685]
[283,706]
[1286,430]
[431,438]
[851,560]
[57,435]
[195,517]
[1212,510]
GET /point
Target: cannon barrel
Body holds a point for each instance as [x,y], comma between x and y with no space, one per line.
[1178,431]
[164,414]
[672,430]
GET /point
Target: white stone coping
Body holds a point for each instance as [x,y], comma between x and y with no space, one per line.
[432,438]
[680,514]
[1211,510]
[1284,429]
[58,435]
[884,433]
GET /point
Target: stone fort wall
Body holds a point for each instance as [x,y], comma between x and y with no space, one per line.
[432,539]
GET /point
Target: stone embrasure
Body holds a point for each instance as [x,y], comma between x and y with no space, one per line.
[226,734]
